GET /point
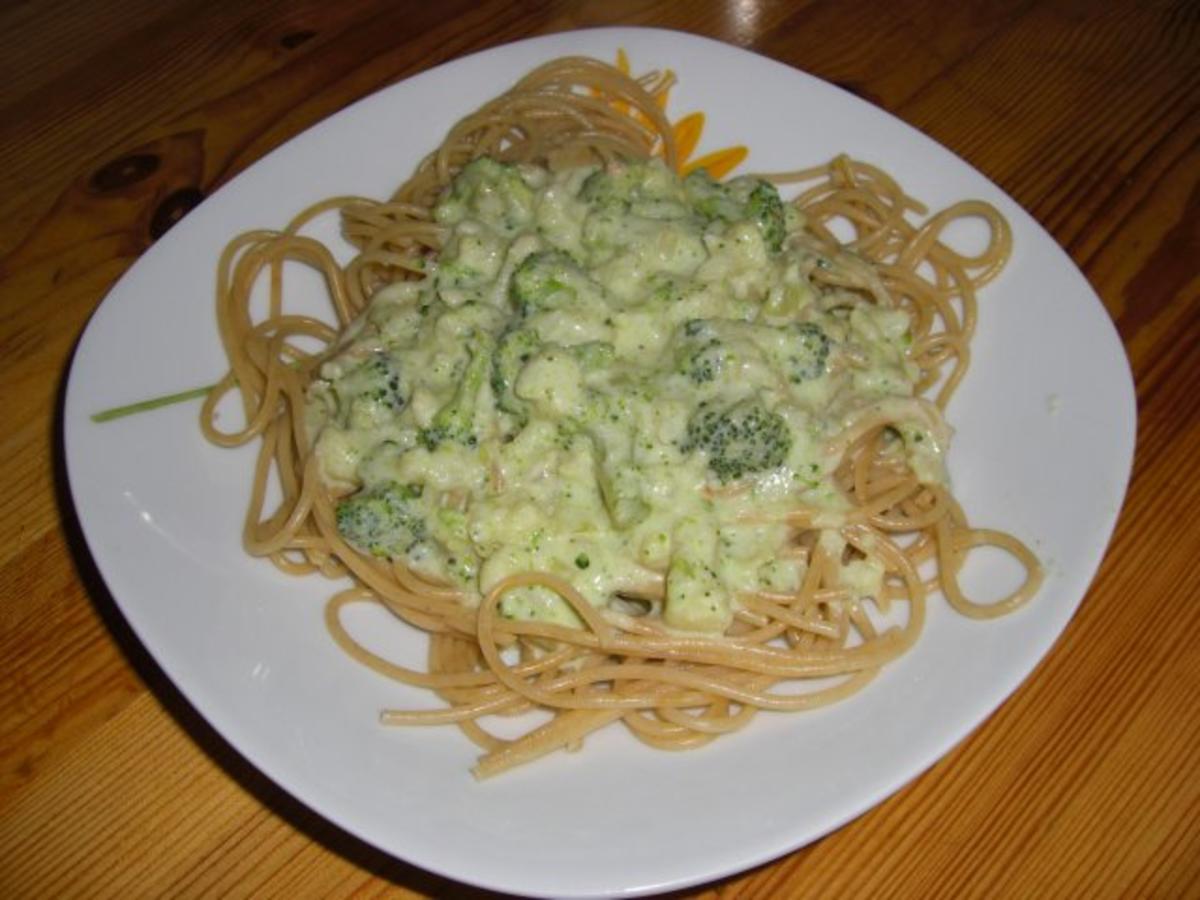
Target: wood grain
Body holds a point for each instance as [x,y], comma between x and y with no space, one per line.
[116,118]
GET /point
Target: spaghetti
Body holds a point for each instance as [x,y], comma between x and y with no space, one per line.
[785,649]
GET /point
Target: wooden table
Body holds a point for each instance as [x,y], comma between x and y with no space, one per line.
[1085,783]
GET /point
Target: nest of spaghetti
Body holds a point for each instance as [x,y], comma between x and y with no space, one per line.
[782,646]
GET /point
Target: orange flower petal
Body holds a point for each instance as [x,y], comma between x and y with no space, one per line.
[687,133]
[687,130]
[719,163]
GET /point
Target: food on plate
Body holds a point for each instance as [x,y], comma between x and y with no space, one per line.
[628,442]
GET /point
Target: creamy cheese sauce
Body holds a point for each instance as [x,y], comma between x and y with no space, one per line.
[602,374]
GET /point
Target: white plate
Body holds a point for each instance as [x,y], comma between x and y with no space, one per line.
[1045,439]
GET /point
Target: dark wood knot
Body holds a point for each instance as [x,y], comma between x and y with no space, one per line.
[173,208]
[294,39]
[124,171]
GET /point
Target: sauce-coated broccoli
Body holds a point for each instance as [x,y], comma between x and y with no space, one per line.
[765,208]
[710,198]
[488,191]
[646,184]
[739,440]
[376,379]
[702,355]
[456,420]
[745,199]
[621,491]
[665,289]
[808,352]
[515,348]
[371,391]
[384,521]
[548,280]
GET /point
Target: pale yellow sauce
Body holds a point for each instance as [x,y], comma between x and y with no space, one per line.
[575,456]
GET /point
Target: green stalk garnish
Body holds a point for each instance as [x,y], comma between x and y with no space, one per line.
[119,412]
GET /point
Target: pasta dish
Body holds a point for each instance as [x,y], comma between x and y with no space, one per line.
[628,443]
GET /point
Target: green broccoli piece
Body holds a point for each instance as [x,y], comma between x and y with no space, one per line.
[702,355]
[620,489]
[514,349]
[454,273]
[665,289]
[373,385]
[739,440]
[647,184]
[765,208]
[808,352]
[489,191]
[385,521]
[745,199]
[710,198]
[706,362]
[378,379]
[603,190]
[600,428]
[616,474]
[455,422]
[548,280]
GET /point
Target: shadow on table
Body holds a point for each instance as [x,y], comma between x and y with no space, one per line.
[313,826]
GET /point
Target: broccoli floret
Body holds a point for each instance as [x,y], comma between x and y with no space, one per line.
[665,289]
[548,280]
[621,487]
[808,352]
[621,491]
[467,265]
[646,184]
[696,600]
[765,208]
[603,189]
[454,274]
[378,379]
[705,363]
[514,349]
[702,355]
[385,521]
[739,440]
[373,387]
[710,198]
[489,191]
[745,199]
[455,422]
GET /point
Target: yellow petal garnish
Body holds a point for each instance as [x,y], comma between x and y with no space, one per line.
[687,130]
[687,134]
[718,163]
